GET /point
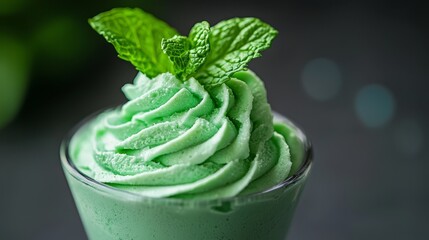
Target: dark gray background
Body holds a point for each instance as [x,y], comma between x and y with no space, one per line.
[367,182]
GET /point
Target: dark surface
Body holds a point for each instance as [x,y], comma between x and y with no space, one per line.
[364,184]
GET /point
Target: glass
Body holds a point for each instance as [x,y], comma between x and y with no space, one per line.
[109,213]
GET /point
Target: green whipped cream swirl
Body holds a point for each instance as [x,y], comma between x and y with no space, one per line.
[182,140]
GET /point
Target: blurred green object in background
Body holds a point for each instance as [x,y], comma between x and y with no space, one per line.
[14,76]
[8,7]
[61,43]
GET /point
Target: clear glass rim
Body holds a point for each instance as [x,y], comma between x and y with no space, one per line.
[69,166]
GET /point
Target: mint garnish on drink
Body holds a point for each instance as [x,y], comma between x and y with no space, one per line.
[209,54]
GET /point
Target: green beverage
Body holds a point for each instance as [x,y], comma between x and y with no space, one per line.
[196,152]
[111,213]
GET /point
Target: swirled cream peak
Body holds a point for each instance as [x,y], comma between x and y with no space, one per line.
[179,139]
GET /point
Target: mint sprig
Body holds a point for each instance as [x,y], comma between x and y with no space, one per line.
[188,53]
[199,37]
[211,55]
[177,50]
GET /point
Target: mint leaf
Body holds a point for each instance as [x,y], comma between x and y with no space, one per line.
[177,50]
[234,43]
[199,38]
[188,54]
[136,36]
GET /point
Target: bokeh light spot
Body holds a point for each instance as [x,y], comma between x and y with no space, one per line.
[409,137]
[375,105]
[321,79]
